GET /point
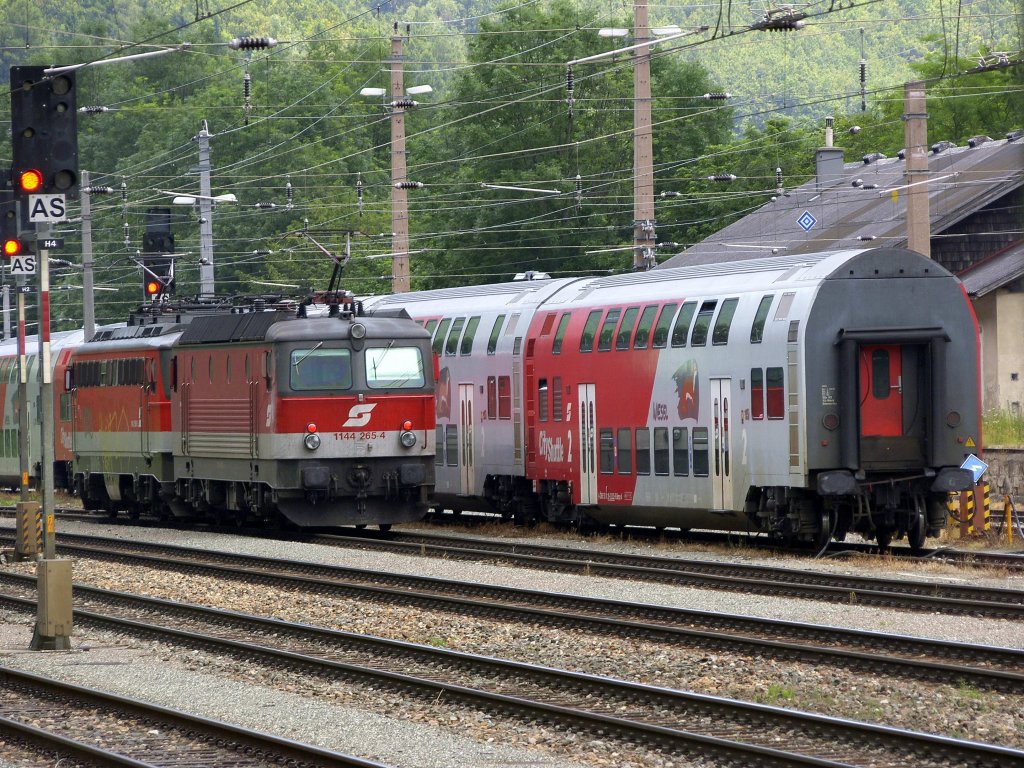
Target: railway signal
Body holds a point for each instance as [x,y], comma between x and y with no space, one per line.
[44,131]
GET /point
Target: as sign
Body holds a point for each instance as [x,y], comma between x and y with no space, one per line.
[46,208]
[24,264]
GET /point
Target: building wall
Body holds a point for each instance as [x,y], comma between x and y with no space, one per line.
[985,310]
[1010,384]
[987,231]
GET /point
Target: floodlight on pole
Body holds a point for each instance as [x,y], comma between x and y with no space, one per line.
[373,91]
[418,89]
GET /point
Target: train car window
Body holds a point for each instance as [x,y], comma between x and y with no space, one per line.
[451,445]
[723,322]
[466,347]
[442,329]
[513,321]
[556,398]
[604,341]
[643,451]
[794,331]
[504,397]
[492,397]
[394,368]
[760,317]
[782,311]
[625,451]
[453,336]
[756,393]
[563,323]
[702,324]
[643,328]
[700,452]
[880,385]
[607,451]
[661,450]
[682,327]
[590,331]
[430,325]
[549,322]
[542,399]
[680,451]
[439,445]
[318,368]
[776,393]
[625,333]
[65,406]
[492,342]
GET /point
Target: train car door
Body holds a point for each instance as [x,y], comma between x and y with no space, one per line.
[722,448]
[892,420]
[466,434]
[587,409]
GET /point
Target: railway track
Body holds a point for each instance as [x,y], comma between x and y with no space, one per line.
[871,652]
[668,721]
[902,594]
[65,721]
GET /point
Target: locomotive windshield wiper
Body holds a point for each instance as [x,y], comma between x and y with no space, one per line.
[310,352]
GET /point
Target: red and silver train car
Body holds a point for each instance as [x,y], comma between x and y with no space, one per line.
[802,396]
[246,415]
[61,346]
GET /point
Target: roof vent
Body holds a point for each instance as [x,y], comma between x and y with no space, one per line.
[942,146]
[873,157]
[977,141]
[1014,135]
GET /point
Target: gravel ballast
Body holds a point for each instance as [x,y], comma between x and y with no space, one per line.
[385,727]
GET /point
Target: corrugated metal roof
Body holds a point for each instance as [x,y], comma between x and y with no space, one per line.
[995,271]
[964,180]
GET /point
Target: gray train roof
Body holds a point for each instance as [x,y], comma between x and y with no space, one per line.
[964,180]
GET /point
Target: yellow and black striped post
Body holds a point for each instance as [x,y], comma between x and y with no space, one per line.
[29,541]
[982,509]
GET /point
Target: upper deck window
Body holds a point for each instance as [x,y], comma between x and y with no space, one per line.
[466,347]
[721,333]
[317,369]
[492,342]
[664,324]
[682,327]
[394,368]
[604,341]
[625,333]
[563,323]
[442,329]
[699,336]
[757,329]
[590,331]
[643,329]
[453,336]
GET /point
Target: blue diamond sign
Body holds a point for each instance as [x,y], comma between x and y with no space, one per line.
[806,221]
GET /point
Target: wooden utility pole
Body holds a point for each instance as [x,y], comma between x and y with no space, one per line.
[915,134]
[643,144]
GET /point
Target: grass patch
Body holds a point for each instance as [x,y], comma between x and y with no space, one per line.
[1002,428]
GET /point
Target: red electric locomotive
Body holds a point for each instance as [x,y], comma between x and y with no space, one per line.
[322,417]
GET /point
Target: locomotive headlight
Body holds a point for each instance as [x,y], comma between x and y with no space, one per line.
[358,331]
[408,437]
[312,439]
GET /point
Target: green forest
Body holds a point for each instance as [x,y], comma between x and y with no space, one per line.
[497,117]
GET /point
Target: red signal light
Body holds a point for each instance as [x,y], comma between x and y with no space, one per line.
[152,288]
[12,247]
[30,181]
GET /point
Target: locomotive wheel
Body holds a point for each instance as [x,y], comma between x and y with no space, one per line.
[384,527]
[827,524]
[916,532]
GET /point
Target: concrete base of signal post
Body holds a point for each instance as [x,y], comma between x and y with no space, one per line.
[53,619]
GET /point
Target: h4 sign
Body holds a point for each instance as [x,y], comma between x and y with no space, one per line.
[46,208]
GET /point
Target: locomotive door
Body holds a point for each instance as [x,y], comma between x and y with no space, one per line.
[891,414]
[722,448]
[466,437]
[587,410]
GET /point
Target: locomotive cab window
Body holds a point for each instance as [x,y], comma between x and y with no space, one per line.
[318,368]
[394,368]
